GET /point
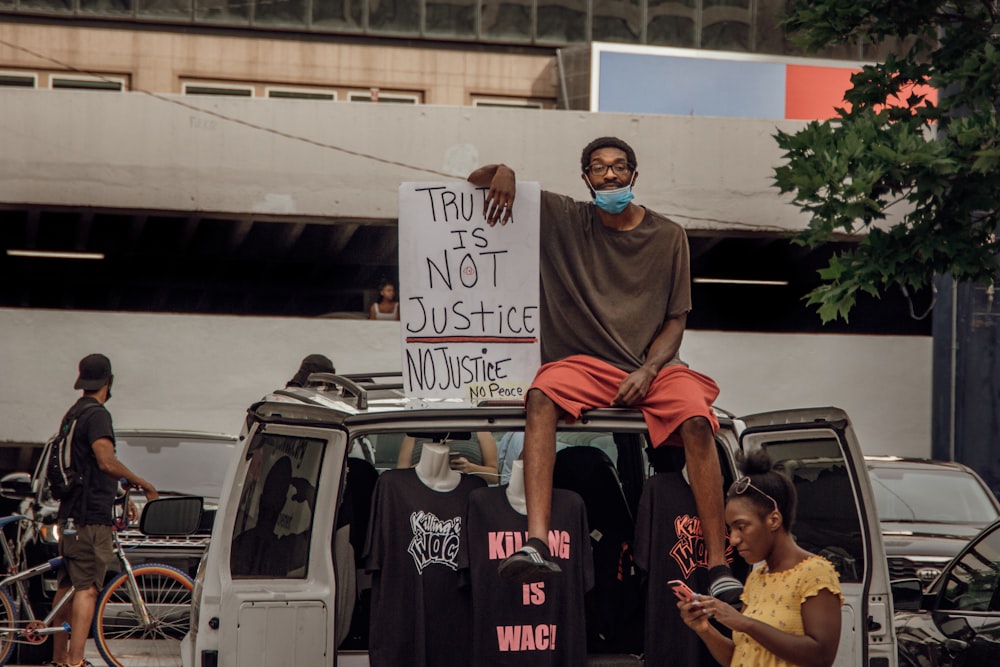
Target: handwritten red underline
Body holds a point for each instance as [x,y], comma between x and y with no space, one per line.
[471,339]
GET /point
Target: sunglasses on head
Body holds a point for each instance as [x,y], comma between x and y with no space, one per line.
[741,485]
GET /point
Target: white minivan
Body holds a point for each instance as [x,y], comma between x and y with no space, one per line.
[284,580]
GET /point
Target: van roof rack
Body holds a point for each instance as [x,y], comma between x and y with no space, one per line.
[358,385]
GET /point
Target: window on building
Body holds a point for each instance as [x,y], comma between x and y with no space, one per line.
[106,7]
[224,89]
[726,25]
[617,21]
[564,20]
[506,20]
[83,82]
[501,103]
[671,23]
[394,17]
[54,6]
[384,98]
[769,37]
[450,19]
[18,79]
[302,93]
[286,13]
[339,15]
[163,8]
[232,12]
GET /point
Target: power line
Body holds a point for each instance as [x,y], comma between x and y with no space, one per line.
[321,144]
[230,119]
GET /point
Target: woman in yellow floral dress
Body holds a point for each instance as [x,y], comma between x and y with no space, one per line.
[792,598]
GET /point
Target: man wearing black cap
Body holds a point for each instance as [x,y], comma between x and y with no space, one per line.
[313,363]
[86,517]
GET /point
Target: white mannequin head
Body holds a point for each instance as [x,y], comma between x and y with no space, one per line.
[515,488]
[434,468]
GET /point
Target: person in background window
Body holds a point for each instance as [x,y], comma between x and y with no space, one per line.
[793,599]
[387,307]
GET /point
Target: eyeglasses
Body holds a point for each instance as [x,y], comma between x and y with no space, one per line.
[620,169]
[741,485]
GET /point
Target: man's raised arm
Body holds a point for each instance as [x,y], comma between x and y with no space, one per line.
[499,204]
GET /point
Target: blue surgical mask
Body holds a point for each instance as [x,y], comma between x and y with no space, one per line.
[613,201]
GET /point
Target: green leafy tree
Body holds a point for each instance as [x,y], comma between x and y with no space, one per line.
[919,176]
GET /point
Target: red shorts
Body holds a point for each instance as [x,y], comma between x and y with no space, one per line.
[677,393]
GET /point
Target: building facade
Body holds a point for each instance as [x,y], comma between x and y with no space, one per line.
[204,160]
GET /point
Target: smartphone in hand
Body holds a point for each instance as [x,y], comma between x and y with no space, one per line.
[681,590]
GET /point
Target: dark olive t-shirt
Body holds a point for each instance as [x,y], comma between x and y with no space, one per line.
[606,293]
[93,424]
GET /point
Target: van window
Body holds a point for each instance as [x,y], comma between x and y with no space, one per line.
[275,514]
[973,582]
[492,452]
[827,521]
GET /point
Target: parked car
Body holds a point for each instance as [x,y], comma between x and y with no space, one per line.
[956,622]
[301,603]
[187,463]
[928,510]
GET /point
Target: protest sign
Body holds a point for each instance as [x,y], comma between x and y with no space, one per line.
[468,293]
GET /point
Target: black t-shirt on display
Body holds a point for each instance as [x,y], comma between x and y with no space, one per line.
[669,545]
[540,624]
[93,506]
[420,611]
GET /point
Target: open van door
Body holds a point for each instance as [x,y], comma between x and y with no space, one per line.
[267,591]
[837,519]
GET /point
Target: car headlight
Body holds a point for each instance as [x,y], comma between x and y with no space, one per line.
[927,574]
[49,533]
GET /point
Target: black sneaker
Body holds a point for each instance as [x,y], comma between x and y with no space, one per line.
[525,565]
[724,586]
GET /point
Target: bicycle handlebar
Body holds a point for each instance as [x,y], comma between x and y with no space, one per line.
[122,521]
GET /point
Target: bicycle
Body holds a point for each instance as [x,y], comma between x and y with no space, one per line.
[142,613]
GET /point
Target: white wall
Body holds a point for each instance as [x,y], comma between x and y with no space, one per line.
[130,150]
[198,372]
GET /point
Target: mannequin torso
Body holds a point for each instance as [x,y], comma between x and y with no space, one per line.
[434,468]
[515,488]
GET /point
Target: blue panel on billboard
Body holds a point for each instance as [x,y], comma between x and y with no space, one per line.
[659,84]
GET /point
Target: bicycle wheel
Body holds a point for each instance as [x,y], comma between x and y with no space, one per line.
[119,634]
[7,620]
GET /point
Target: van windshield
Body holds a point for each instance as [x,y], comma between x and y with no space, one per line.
[171,456]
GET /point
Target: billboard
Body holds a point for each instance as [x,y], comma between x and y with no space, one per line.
[693,82]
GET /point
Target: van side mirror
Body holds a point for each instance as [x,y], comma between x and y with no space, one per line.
[15,486]
[907,594]
[171,516]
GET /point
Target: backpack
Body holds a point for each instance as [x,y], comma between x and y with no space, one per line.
[63,479]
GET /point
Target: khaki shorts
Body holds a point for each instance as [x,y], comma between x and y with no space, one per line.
[86,556]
